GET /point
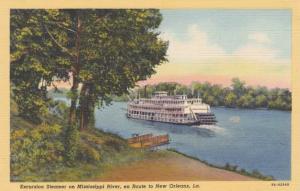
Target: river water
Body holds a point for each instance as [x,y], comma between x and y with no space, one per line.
[251,139]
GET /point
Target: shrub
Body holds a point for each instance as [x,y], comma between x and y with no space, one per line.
[88,153]
[115,144]
[71,137]
[90,138]
[35,148]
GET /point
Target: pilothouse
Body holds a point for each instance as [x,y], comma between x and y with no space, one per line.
[177,109]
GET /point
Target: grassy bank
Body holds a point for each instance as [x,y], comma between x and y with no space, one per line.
[38,150]
[98,152]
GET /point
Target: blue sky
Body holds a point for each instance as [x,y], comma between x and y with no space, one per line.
[216,45]
[230,28]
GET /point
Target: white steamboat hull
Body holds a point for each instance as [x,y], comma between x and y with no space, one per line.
[202,119]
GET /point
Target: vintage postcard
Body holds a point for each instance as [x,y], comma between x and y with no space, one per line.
[160,95]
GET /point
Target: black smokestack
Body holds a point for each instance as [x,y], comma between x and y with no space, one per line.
[145,91]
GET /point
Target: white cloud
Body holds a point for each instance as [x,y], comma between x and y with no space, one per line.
[255,51]
[197,47]
[259,37]
[258,49]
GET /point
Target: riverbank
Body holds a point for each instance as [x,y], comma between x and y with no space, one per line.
[107,157]
[169,166]
[100,156]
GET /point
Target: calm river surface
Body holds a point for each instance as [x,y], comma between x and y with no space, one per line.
[251,139]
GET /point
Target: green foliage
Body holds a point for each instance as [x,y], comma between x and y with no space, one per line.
[122,98]
[171,87]
[230,99]
[71,143]
[105,50]
[58,108]
[117,53]
[246,101]
[88,153]
[238,95]
[115,144]
[238,87]
[261,100]
[52,152]
[39,147]
[34,62]
[31,102]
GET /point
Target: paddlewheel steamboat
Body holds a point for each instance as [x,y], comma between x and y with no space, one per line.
[177,109]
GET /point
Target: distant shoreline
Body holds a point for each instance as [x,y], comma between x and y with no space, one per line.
[259,108]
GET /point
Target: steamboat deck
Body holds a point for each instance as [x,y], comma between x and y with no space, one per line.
[171,109]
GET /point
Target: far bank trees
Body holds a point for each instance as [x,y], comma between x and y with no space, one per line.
[237,95]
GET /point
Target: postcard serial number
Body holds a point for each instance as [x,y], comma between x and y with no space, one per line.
[280,184]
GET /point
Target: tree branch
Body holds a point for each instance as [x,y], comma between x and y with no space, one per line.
[57,43]
[62,26]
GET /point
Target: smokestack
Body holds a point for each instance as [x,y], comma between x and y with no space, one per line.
[145,91]
[192,90]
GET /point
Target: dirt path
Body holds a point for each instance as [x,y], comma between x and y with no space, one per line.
[173,167]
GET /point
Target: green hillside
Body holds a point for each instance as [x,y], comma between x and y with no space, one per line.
[38,151]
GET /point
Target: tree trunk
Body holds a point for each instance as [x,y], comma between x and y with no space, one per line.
[83,107]
[86,107]
[75,73]
[72,114]
[84,118]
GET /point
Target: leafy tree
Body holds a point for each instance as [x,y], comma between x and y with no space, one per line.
[261,90]
[35,61]
[238,86]
[148,91]
[246,101]
[239,95]
[210,100]
[182,90]
[261,101]
[218,95]
[170,87]
[230,99]
[130,49]
[103,52]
